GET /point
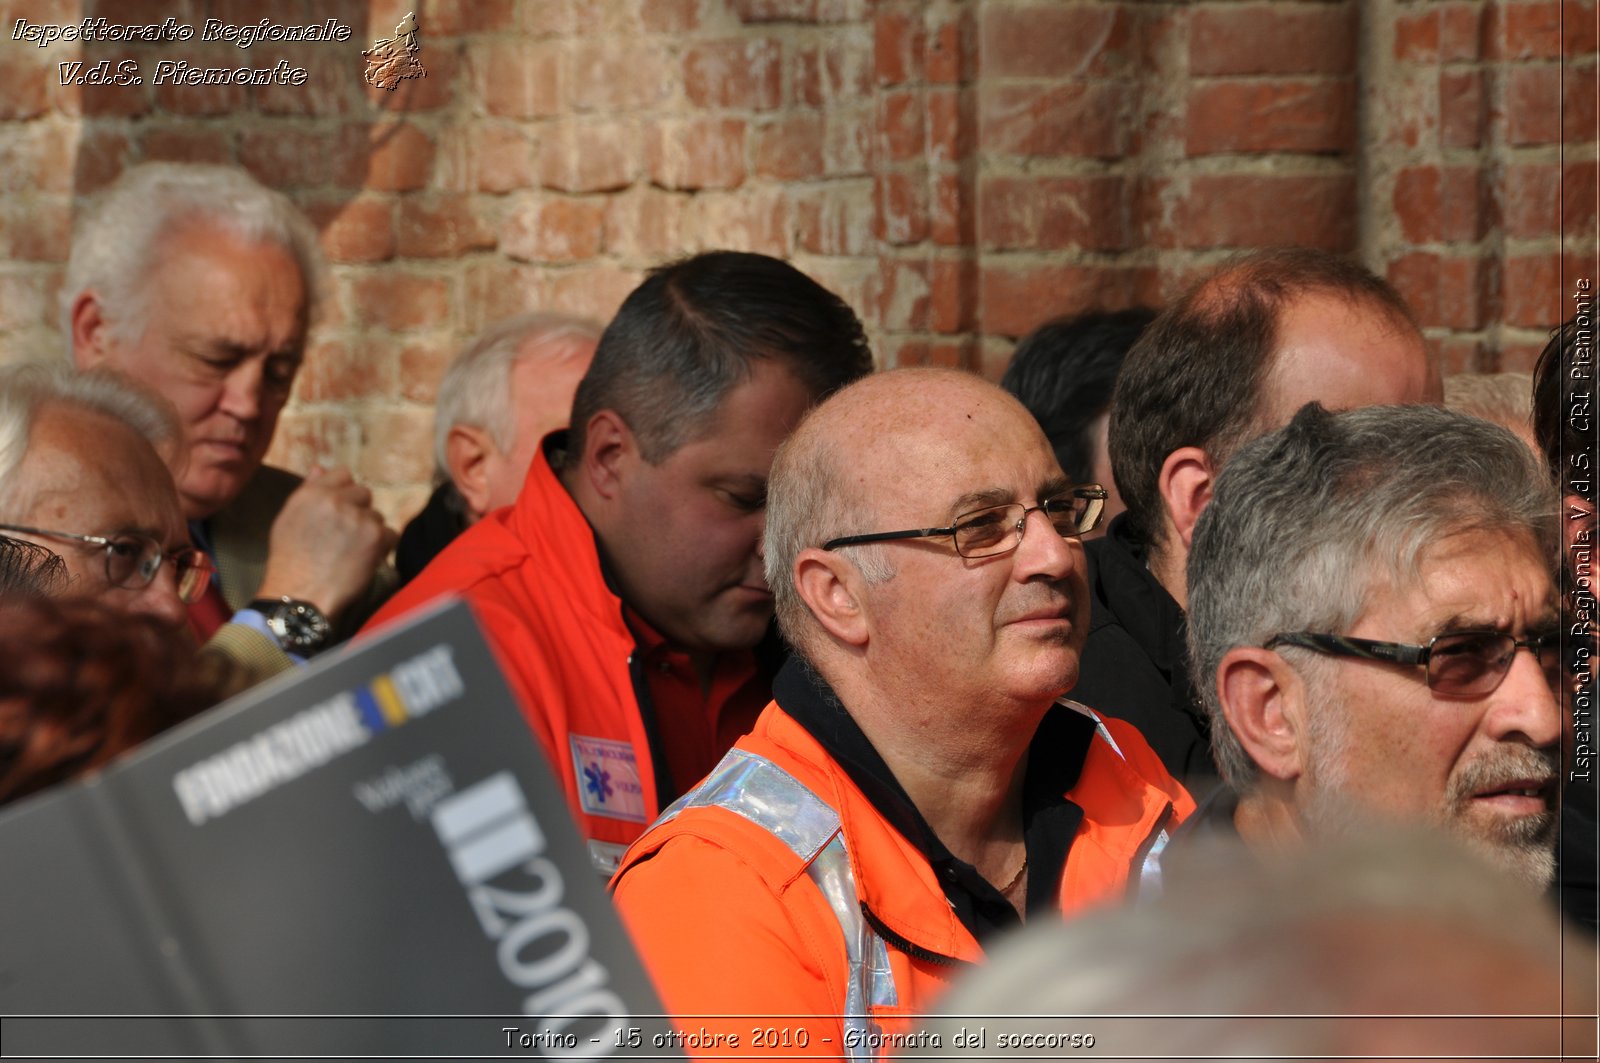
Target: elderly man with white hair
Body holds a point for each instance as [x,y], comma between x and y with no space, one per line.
[199,283]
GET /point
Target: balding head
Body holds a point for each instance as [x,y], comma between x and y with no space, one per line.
[918,449]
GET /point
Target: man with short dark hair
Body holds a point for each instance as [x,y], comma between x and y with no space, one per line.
[1064,372]
[624,590]
[915,789]
[1376,634]
[1230,360]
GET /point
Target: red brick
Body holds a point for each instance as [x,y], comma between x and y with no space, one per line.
[1462,109]
[110,101]
[950,123]
[357,230]
[521,79]
[401,301]
[440,227]
[39,157]
[24,301]
[670,16]
[789,148]
[1456,355]
[592,291]
[1517,357]
[1533,295]
[805,75]
[751,220]
[1416,37]
[496,289]
[1461,31]
[556,230]
[952,219]
[451,18]
[833,219]
[1578,29]
[300,157]
[35,229]
[1272,39]
[336,371]
[774,10]
[1056,41]
[28,81]
[1053,213]
[422,364]
[612,76]
[744,73]
[1525,30]
[1578,185]
[697,153]
[952,54]
[900,208]
[201,99]
[396,447]
[1269,116]
[589,156]
[901,131]
[903,297]
[401,158]
[1578,118]
[646,223]
[305,438]
[1054,120]
[897,45]
[847,140]
[436,88]
[1440,204]
[1531,200]
[1015,298]
[501,156]
[1533,105]
[332,87]
[902,354]
[952,295]
[1250,210]
[188,143]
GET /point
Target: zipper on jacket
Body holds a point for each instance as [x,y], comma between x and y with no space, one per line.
[915,951]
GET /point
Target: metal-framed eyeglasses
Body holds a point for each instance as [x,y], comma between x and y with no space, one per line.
[1459,663]
[999,529]
[132,560]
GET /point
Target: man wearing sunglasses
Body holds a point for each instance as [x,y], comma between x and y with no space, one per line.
[81,475]
[1376,635]
[915,787]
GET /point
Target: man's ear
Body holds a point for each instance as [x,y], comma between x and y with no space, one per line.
[467,449]
[1185,484]
[609,450]
[1263,700]
[830,586]
[91,337]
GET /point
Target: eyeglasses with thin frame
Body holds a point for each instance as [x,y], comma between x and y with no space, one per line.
[999,529]
[1460,663]
[132,560]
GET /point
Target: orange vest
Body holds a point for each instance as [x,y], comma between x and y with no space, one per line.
[776,892]
[531,573]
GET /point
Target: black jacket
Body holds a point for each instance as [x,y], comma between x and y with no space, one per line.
[1136,662]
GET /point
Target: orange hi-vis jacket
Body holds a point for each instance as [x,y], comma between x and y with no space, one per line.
[532,574]
[774,904]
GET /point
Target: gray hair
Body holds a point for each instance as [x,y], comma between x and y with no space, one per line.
[1504,398]
[118,239]
[1306,520]
[474,390]
[808,503]
[26,389]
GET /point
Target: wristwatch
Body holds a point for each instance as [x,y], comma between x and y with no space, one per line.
[298,626]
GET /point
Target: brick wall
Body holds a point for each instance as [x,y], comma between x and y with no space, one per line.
[959,170]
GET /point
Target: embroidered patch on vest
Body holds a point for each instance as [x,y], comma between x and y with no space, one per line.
[608,778]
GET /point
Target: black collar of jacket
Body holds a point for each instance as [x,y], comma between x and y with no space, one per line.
[1049,818]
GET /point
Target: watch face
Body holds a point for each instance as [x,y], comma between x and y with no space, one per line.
[300,627]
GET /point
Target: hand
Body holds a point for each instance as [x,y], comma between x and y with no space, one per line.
[326,543]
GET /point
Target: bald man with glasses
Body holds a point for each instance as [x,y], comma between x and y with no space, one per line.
[84,473]
[917,785]
[1376,631]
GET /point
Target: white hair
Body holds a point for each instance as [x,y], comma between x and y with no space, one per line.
[118,239]
[476,388]
[26,389]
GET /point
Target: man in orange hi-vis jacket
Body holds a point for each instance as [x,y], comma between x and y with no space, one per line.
[916,785]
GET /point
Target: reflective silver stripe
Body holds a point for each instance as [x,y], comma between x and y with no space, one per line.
[766,795]
[1150,873]
[1099,724]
